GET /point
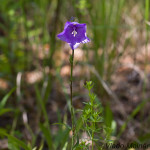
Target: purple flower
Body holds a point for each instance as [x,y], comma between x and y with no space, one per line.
[74,33]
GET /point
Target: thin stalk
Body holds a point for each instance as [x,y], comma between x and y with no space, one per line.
[93,129]
[71,95]
[93,124]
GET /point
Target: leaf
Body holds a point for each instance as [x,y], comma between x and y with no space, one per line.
[41,147]
[5,110]
[5,98]
[47,135]
[12,145]
[108,115]
[147,22]
[63,124]
[77,143]
[35,148]
[14,142]
[46,130]
[64,137]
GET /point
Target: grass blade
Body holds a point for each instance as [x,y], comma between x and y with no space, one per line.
[14,140]
[5,98]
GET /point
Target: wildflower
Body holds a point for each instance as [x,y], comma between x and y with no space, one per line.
[74,33]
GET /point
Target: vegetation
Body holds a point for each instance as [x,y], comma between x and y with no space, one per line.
[110,78]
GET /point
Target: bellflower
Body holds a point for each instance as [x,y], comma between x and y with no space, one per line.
[74,33]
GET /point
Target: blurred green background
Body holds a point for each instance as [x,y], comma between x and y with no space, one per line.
[35,70]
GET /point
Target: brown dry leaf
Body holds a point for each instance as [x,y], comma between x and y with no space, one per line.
[65,71]
[3,144]
[3,84]
[41,51]
[79,55]
[33,77]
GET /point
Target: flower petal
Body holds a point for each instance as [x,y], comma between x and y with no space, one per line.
[74,46]
[74,33]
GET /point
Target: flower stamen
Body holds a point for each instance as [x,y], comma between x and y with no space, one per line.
[74,32]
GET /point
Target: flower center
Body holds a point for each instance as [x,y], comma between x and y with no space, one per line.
[74,32]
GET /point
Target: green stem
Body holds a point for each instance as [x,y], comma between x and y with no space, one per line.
[93,129]
[71,95]
[93,126]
